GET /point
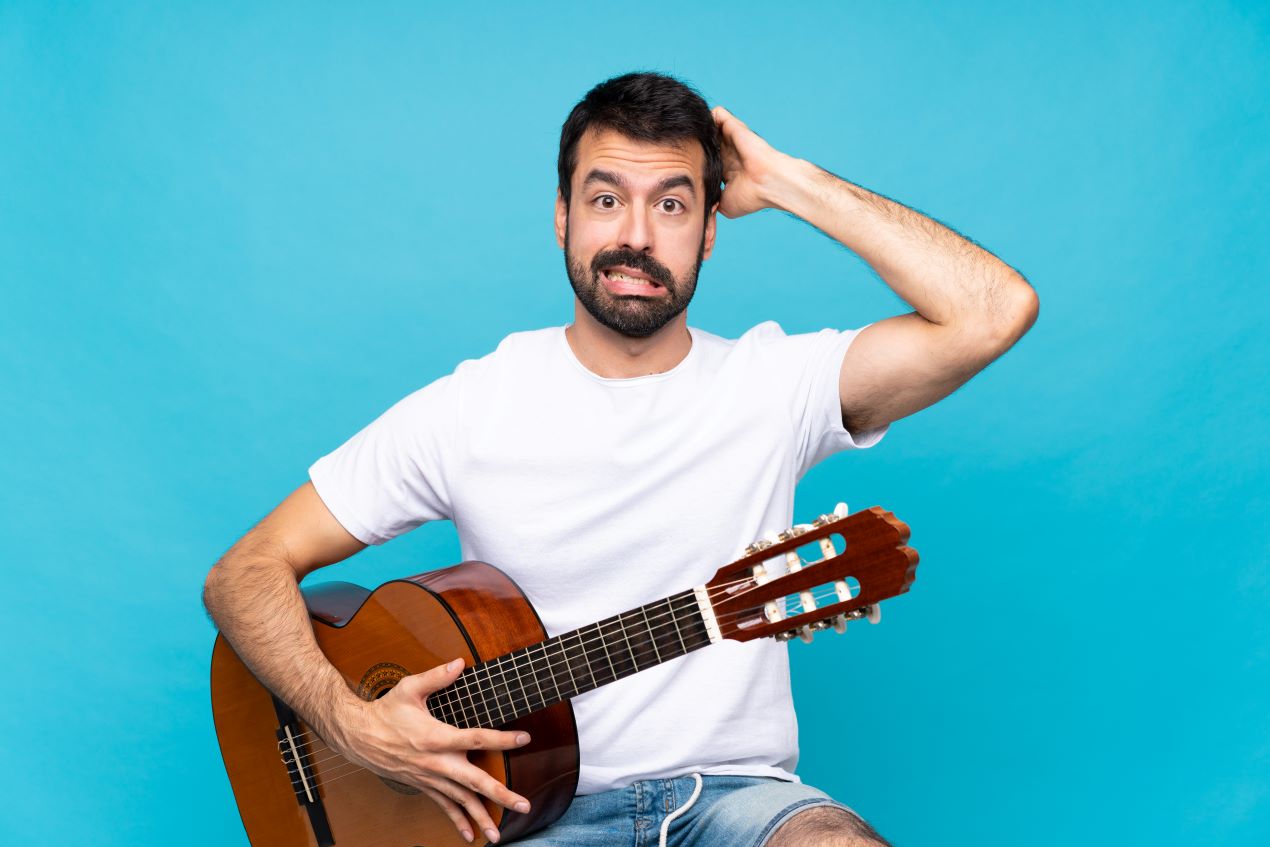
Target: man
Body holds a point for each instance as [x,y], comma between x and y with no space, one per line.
[623,457]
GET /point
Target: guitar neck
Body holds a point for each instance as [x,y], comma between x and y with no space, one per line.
[495,692]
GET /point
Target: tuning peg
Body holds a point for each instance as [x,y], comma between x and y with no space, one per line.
[840,624]
[794,564]
[841,511]
[805,633]
[761,544]
[873,613]
[772,612]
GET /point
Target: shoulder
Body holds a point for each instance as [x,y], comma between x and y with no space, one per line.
[514,354]
[769,342]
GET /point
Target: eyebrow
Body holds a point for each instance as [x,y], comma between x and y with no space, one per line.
[618,181]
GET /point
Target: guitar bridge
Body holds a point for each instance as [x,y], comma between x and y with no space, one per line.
[295,756]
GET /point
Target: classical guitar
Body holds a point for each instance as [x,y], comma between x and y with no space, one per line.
[293,791]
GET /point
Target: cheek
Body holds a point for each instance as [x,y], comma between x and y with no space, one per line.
[683,246]
[586,237]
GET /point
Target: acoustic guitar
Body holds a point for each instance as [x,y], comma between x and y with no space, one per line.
[294,791]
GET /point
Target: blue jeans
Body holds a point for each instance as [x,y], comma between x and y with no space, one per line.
[739,811]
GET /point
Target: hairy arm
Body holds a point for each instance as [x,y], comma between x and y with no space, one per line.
[970,307]
[253,594]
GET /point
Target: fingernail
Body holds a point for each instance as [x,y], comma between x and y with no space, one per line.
[454,666]
[523,738]
[492,834]
[467,836]
[521,807]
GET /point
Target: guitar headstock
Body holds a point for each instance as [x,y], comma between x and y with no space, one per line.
[814,576]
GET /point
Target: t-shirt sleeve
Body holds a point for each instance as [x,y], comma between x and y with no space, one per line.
[391,477]
[811,364]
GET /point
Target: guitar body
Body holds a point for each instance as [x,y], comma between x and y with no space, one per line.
[404,627]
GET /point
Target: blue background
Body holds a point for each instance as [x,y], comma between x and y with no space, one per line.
[230,236]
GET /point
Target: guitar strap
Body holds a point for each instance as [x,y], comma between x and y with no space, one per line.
[306,793]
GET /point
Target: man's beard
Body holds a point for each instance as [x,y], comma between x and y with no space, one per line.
[631,315]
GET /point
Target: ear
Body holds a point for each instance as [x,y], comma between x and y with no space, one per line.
[562,218]
[709,233]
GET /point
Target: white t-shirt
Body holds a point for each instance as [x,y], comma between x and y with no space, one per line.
[600,495]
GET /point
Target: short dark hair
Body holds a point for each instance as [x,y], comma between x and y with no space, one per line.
[647,107]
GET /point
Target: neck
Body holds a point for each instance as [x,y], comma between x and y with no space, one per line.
[496,692]
[612,355]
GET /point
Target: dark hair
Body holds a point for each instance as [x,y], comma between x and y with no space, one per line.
[647,107]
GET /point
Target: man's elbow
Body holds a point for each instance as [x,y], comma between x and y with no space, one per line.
[213,589]
[239,573]
[1018,308]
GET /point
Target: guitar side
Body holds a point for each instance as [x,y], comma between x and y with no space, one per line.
[407,626]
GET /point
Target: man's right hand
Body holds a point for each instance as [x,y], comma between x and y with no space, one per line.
[396,737]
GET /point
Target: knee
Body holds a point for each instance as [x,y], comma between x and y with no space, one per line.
[825,826]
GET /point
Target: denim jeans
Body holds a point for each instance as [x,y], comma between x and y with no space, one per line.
[738,811]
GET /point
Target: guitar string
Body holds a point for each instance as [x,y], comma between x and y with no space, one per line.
[511,700]
[688,613]
[711,593]
[552,665]
[340,771]
[331,774]
[471,709]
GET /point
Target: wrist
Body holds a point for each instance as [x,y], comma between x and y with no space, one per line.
[334,711]
[789,184]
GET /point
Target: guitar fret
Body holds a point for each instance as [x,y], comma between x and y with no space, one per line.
[464,706]
[438,706]
[674,619]
[607,654]
[586,660]
[479,696]
[551,670]
[533,674]
[498,703]
[454,707]
[514,691]
[538,672]
[568,665]
[643,611]
[468,708]
[449,704]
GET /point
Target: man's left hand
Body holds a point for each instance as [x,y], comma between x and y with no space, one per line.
[750,165]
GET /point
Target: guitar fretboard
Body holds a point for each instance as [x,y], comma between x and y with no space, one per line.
[496,692]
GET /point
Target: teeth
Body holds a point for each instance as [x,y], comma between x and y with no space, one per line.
[618,276]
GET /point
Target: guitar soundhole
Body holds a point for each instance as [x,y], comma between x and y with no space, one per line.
[379,680]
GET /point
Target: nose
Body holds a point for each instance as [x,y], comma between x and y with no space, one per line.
[637,232]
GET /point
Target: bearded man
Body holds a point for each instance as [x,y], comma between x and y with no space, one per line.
[627,455]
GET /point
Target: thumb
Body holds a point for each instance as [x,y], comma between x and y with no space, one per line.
[422,684]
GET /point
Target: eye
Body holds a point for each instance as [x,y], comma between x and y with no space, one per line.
[670,206]
[605,201]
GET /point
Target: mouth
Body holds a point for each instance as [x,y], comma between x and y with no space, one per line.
[621,280]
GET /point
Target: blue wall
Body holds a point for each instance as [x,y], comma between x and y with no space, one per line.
[232,235]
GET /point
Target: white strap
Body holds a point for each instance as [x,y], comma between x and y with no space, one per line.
[665,825]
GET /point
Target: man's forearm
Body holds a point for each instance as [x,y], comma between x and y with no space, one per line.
[253,596]
[946,278]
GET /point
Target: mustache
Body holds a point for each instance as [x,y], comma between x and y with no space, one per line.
[641,262]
